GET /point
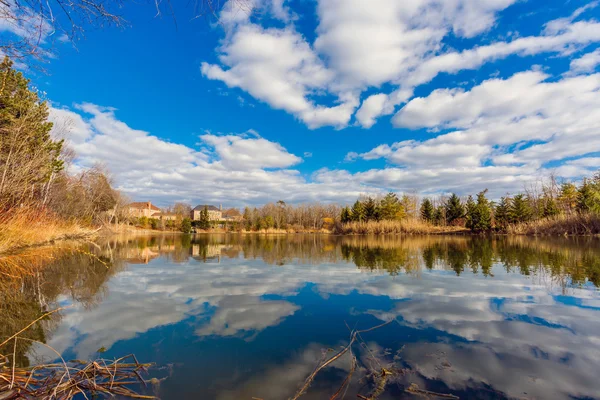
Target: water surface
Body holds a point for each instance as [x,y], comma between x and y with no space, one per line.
[242,317]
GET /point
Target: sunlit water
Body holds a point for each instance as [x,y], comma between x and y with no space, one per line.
[242,317]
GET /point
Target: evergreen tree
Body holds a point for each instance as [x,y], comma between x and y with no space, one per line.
[588,197]
[550,208]
[371,210]
[482,220]
[186,225]
[502,214]
[520,211]
[470,210]
[29,157]
[427,211]
[568,197]
[346,215]
[439,216]
[204,222]
[358,211]
[454,210]
[390,207]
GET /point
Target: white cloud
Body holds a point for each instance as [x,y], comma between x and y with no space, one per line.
[359,46]
[239,153]
[246,169]
[279,67]
[508,130]
[586,63]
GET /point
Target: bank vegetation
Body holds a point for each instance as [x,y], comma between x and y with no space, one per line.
[41,198]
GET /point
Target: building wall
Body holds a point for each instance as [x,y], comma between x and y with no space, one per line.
[140,212]
[212,215]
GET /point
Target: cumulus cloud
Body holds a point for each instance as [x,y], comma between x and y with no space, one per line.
[586,63]
[358,46]
[247,169]
[502,130]
[239,153]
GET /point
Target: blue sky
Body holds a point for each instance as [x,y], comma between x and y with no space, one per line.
[325,99]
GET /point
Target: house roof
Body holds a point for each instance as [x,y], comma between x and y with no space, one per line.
[143,205]
[232,212]
[208,206]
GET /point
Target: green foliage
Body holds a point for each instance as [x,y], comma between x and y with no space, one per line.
[568,197]
[588,196]
[520,210]
[439,216]
[390,207]
[502,214]
[482,218]
[28,155]
[153,223]
[204,221]
[358,211]
[549,207]
[454,210]
[346,215]
[372,212]
[427,211]
[143,222]
[269,222]
[470,209]
[247,219]
[186,225]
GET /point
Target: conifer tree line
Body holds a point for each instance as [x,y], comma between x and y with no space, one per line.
[33,163]
[480,214]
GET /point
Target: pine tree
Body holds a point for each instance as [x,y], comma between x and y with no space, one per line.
[204,222]
[502,214]
[29,157]
[568,197]
[371,210]
[427,211]
[247,219]
[390,207]
[186,225]
[550,208]
[454,210]
[346,215]
[439,216]
[482,221]
[470,210]
[520,211]
[588,197]
[358,211]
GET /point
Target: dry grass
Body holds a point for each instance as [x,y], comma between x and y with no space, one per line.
[564,225]
[65,380]
[410,227]
[23,227]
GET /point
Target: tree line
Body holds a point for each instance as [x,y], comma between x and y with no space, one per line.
[539,201]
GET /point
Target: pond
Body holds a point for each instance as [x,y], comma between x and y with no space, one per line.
[251,316]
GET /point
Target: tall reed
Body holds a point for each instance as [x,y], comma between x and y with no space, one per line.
[564,224]
[407,226]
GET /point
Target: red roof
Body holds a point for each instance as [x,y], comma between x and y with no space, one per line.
[144,205]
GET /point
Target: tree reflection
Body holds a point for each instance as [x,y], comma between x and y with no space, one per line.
[80,273]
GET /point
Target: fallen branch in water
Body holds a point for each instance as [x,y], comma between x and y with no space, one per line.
[353,338]
[65,380]
[101,377]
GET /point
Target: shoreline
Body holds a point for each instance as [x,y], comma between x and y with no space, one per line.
[107,232]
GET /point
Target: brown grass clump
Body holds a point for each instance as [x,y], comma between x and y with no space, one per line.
[565,225]
[21,227]
[408,226]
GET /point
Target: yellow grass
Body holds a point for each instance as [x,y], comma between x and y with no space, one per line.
[409,226]
[566,225]
[23,227]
